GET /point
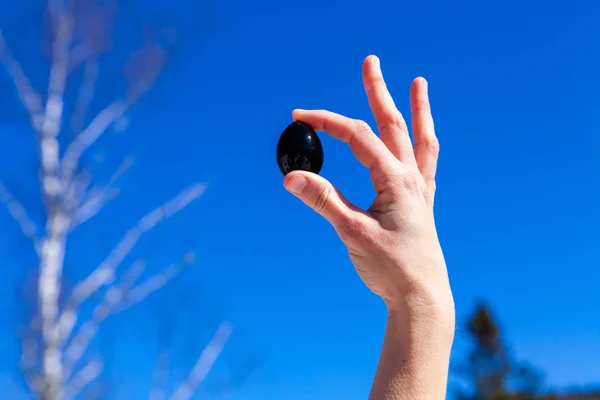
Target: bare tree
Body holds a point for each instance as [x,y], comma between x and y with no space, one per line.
[57,358]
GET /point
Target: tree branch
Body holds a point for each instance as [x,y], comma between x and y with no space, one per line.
[204,364]
[85,95]
[83,378]
[97,197]
[51,359]
[156,282]
[113,296]
[153,57]
[89,136]
[77,190]
[117,299]
[19,214]
[105,272]
[29,96]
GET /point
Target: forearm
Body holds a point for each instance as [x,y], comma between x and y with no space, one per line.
[414,359]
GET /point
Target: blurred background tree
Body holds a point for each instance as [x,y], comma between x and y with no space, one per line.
[97,71]
[491,372]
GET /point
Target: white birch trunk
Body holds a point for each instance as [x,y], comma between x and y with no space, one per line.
[68,202]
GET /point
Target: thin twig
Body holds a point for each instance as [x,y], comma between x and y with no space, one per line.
[85,95]
[88,330]
[117,299]
[105,272]
[156,282]
[204,364]
[89,135]
[97,197]
[86,375]
[115,110]
[77,190]
[19,214]
[30,98]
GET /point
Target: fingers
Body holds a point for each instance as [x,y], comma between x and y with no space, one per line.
[365,145]
[391,124]
[320,195]
[426,147]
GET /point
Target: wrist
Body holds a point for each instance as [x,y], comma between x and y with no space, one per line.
[423,291]
[426,311]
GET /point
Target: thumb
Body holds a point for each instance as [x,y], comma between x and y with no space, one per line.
[320,195]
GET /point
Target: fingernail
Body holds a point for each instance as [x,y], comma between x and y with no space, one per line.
[295,184]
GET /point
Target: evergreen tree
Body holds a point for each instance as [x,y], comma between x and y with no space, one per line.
[490,369]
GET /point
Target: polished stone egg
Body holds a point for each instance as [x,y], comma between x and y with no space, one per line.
[299,148]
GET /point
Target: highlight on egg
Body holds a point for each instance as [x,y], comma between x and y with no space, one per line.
[299,148]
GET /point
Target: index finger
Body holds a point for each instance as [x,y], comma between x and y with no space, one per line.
[365,145]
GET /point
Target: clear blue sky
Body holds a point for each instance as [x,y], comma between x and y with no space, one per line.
[514,87]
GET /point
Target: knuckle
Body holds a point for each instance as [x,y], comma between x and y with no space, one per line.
[410,180]
[423,104]
[354,231]
[393,122]
[387,176]
[410,183]
[322,199]
[429,192]
[431,146]
[326,122]
[361,127]
[380,169]
[375,81]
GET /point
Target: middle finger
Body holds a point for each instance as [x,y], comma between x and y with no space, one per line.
[391,124]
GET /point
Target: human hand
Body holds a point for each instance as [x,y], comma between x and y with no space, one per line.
[393,245]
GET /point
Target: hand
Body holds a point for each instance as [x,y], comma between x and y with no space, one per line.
[394,244]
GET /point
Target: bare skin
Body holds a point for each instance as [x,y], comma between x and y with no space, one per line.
[394,244]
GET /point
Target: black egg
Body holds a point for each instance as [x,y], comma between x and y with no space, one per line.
[299,148]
